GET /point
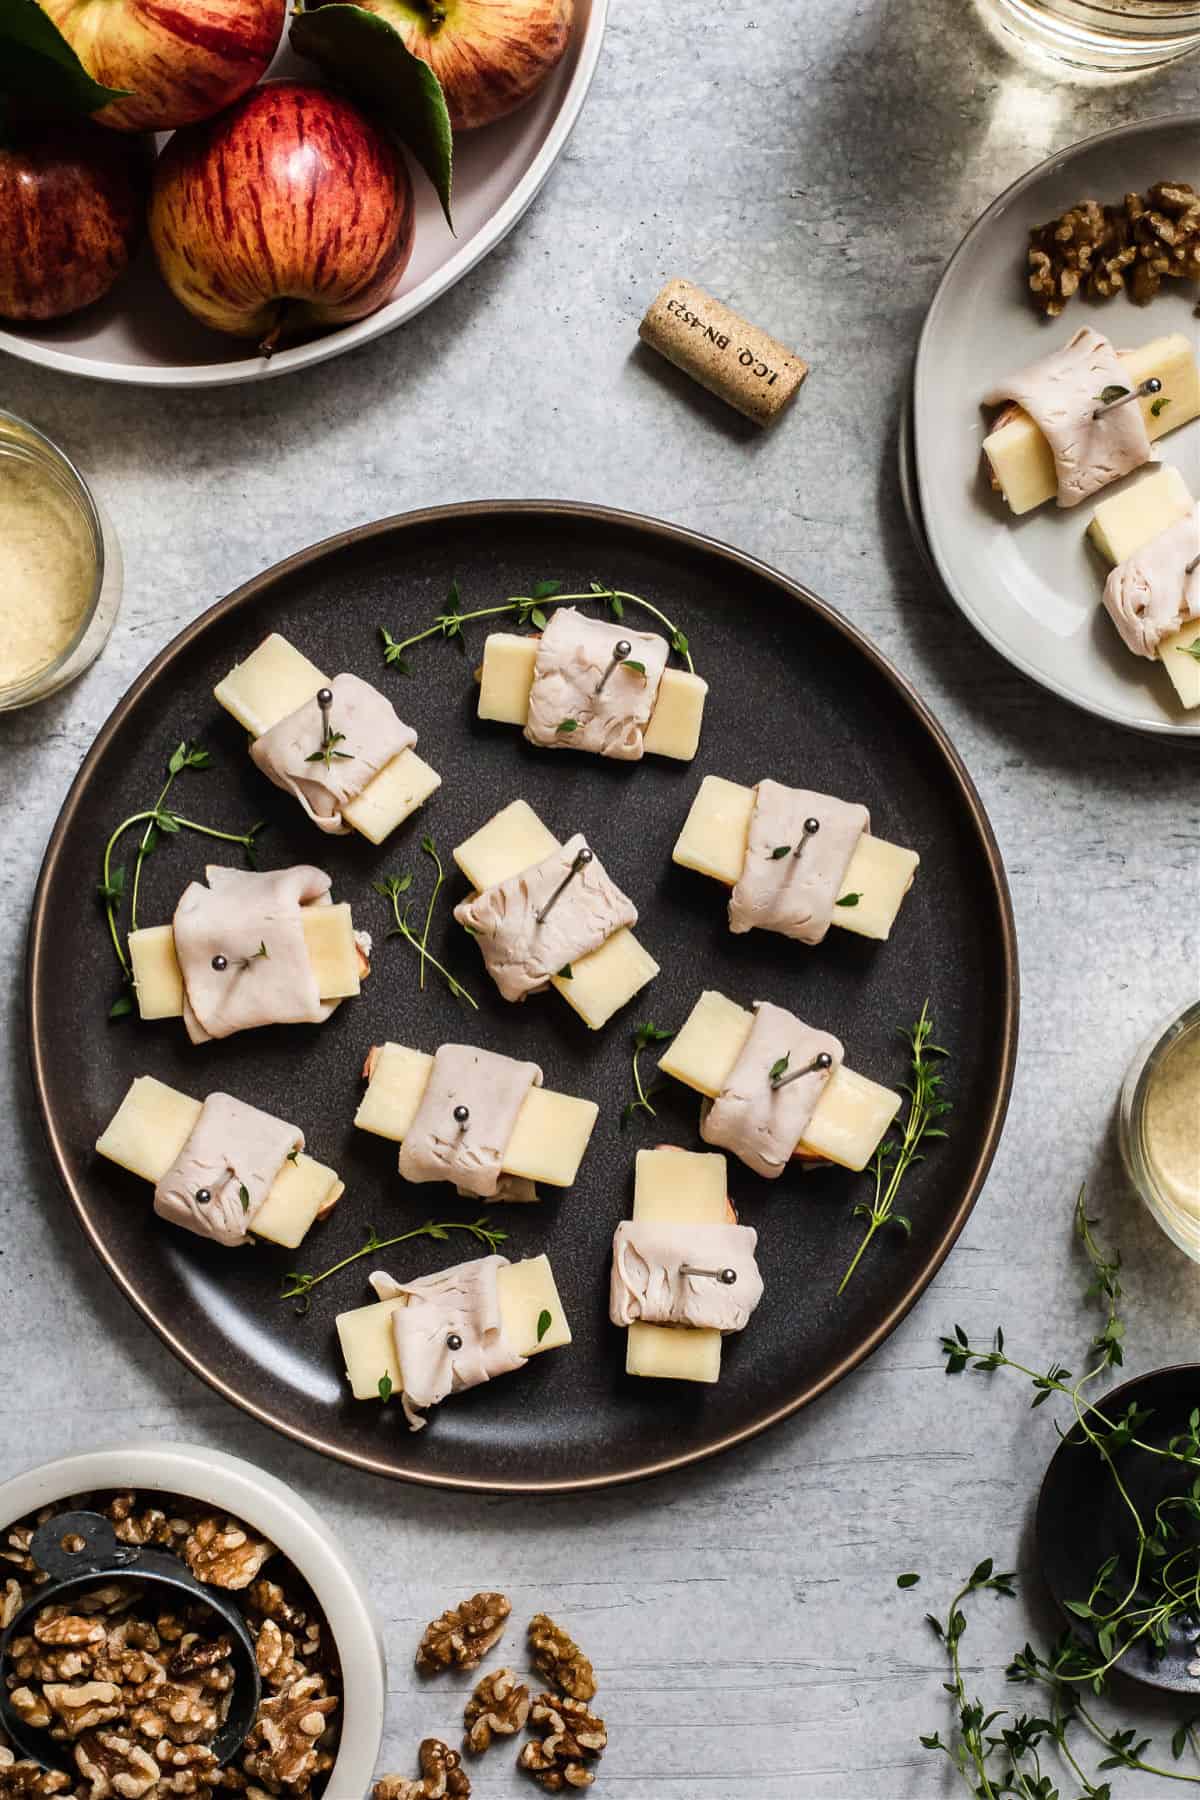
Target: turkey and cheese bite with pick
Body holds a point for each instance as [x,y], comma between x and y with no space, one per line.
[440,1334]
[546,914]
[251,948]
[797,861]
[337,745]
[474,1118]
[220,1168]
[586,684]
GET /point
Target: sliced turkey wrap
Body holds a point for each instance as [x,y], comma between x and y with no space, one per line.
[521,955]
[462,1303]
[575,654]
[759,1123]
[1150,595]
[234,1153]
[780,890]
[656,1278]
[236,916]
[370,736]
[493,1088]
[1061,393]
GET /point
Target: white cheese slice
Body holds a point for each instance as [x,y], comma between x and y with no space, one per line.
[274,681]
[506,676]
[603,982]
[1183,669]
[526,1291]
[328,935]
[850,1118]
[513,840]
[880,874]
[677,1187]
[1021,458]
[1121,525]
[150,1128]
[549,1139]
[395,793]
[673,1353]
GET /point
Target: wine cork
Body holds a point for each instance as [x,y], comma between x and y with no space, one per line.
[733,359]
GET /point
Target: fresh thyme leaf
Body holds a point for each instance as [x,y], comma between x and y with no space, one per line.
[385,1388]
[907,1581]
[299,1284]
[244,1196]
[616,605]
[848,900]
[1114,391]
[679,643]
[327,754]
[638,668]
[121,1007]
[538,618]
[114,888]
[293,1155]
[779,1067]
[393,653]
[566,726]
[543,1325]
[1192,649]
[780,851]
[546,590]
[926,1106]
[1156,406]
[643,1036]
[566,973]
[166,821]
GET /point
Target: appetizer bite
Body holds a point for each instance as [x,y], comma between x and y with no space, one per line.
[775,1089]
[220,1168]
[439,1334]
[338,745]
[798,862]
[587,685]
[545,914]
[1151,533]
[1085,415]
[474,1118]
[684,1273]
[252,948]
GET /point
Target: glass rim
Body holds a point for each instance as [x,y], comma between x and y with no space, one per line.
[42,682]
[1180,1225]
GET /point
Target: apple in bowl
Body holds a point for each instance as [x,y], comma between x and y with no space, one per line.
[287,212]
[490,56]
[72,210]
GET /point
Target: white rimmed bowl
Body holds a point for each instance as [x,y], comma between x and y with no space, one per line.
[140,334]
[262,1501]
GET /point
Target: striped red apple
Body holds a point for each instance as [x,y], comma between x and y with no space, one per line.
[181,60]
[287,212]
[72,208]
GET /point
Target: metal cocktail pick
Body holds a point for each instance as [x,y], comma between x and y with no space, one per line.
[461,1115]
[811,828]
[821,1061]
[582,859]
[325,701]
[621,649]
[1192,566]
[727,1276]
[454,1342]
[1152,386]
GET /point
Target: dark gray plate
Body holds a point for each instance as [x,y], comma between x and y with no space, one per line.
[796,693]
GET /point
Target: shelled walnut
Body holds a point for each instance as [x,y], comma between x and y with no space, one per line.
[499,1707]
[558,1657]
[225,1555]
[442,1777]
[285,1741]
[572,1737]
[1098,250]
[462,1637]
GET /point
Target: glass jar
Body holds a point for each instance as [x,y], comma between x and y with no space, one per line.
[1159,1127]
[60,568]
[1115,35]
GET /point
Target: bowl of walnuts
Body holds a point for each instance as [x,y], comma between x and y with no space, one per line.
[173,1621]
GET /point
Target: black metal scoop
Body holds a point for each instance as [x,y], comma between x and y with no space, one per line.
[97,1555]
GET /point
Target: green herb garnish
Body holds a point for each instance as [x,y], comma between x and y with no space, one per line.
[385,1388]
[566,726]
[327,754]
[392,887]
[891,1161]
[244,1196]
[1156,406]
[643,1037]
[637,668]
[848,900]
[530,609]
[543,1325]
[780,851]
[1113,392]
[778,1068]
[566,973]
[907,1581]
[298,1285]
[1192,649]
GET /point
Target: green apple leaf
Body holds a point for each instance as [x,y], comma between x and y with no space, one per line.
[39,71]
[366,55]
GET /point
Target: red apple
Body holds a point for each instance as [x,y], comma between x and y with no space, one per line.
[288,211]
[182,60]
[72,205]
[490,56]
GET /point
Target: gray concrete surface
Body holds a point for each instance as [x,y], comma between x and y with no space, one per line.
[814,161]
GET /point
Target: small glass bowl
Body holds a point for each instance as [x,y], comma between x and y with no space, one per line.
[20,439]
[1181,1223]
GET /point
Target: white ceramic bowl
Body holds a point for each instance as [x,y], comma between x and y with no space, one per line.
[259,1500]
[141,334]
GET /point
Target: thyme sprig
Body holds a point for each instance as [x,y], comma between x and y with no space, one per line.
[159,821]
[530,609]
[643,1036]
[392,888]
[298,1284]
[892,1161]
[329,752]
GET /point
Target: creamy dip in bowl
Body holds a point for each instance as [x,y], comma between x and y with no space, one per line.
[1159,1124]
[60,569]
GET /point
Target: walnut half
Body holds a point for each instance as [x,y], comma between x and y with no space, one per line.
[462,1637]
[558,1657]
[499,1707]
[572,1738]
[442,1777]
